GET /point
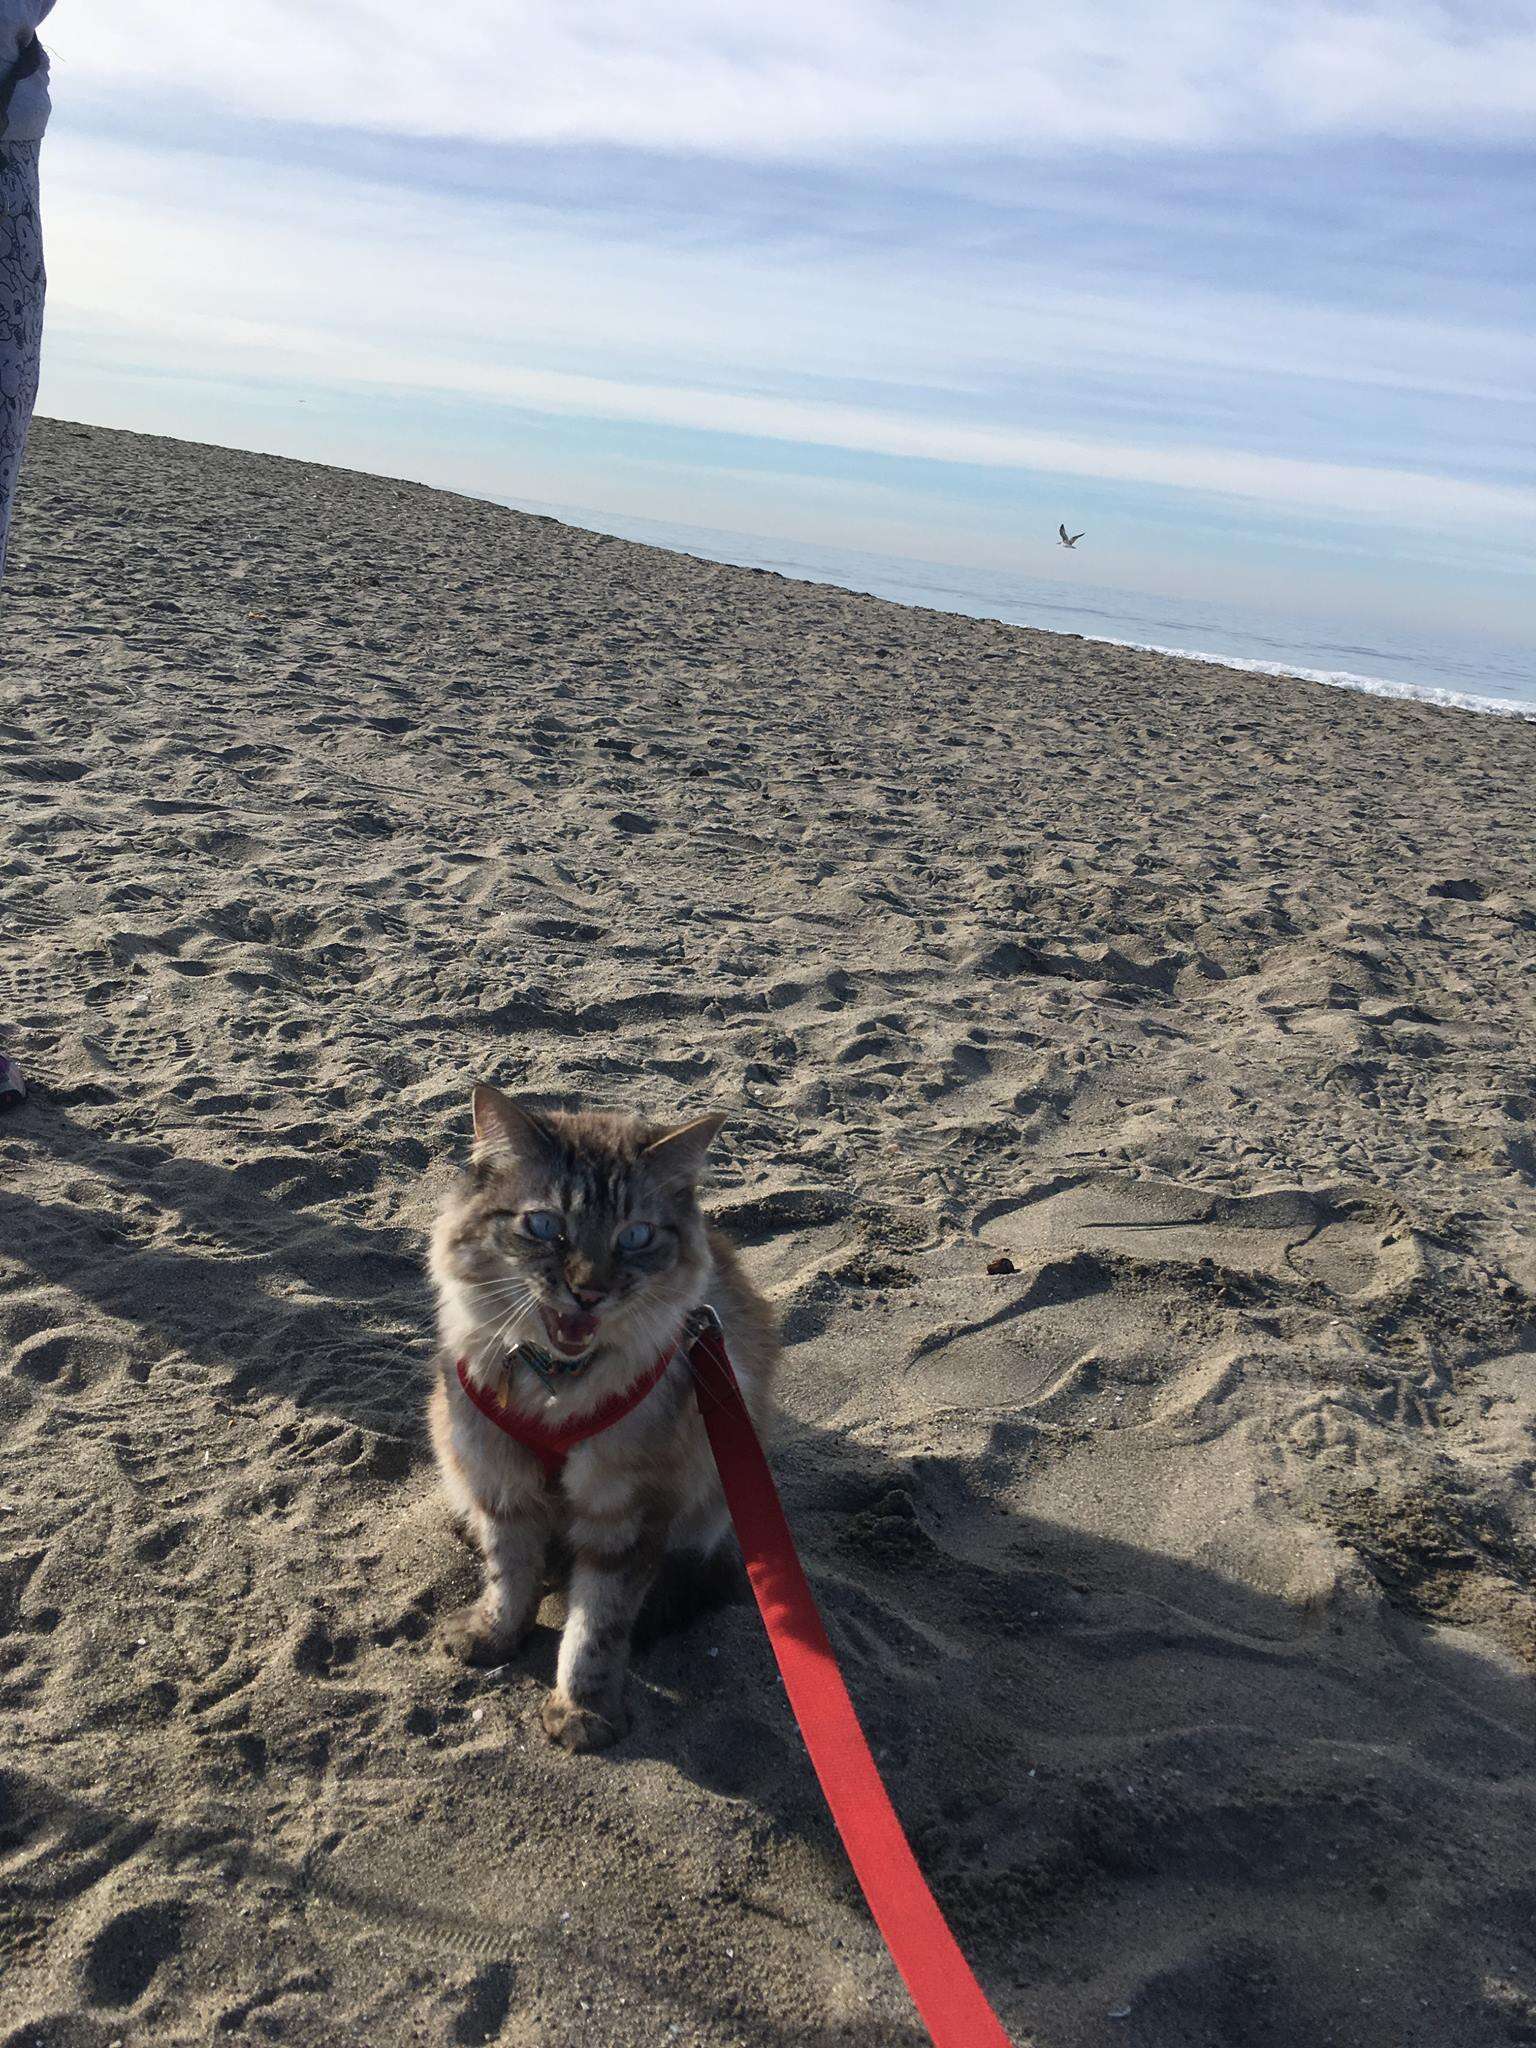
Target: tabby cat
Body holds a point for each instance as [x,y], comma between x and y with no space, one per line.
[567,1264]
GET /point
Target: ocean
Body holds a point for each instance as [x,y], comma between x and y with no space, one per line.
[1473,672]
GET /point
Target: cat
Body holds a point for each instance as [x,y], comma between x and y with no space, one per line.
[579,1234]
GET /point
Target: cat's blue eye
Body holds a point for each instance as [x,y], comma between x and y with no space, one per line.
[543,1224]
[634,1237]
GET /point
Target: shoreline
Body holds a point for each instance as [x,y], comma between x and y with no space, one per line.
[1386,689]
[1344,679]
[756,552]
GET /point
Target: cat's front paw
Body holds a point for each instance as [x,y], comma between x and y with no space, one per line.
[475,1637]
[580,1729]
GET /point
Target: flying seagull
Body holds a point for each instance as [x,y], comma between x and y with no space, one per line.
[1069,540]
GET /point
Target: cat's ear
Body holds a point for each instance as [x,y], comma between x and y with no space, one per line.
[503,1127]
[677,1157]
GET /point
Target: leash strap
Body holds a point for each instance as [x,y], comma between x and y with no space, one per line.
[949,2001]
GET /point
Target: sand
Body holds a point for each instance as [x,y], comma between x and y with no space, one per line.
[1184,1569]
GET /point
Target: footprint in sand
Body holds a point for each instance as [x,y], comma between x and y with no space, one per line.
[121,1961]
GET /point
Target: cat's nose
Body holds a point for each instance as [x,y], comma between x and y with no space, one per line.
[589,1297]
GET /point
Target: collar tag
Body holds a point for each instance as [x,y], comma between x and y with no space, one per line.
[553,1372]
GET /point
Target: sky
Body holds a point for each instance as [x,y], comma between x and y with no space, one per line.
[1245,290]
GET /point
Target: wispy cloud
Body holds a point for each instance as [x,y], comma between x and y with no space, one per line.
[826,81]
[340,283]
[1257,275]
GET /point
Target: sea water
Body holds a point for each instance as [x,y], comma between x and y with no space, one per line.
[1473,672]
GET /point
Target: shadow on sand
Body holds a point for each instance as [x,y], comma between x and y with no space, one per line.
[1130,1779]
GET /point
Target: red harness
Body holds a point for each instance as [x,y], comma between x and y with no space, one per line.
[552,1443]
[952,2004]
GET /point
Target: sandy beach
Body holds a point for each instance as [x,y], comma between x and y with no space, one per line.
[1183,1566]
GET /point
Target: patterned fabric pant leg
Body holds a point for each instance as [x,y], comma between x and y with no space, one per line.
[21,312]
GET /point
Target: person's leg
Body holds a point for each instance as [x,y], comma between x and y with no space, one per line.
[21,332]
[22,283]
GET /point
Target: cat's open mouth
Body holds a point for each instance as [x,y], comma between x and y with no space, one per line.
[570,1334]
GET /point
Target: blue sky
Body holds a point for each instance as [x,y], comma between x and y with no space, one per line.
[1246,290]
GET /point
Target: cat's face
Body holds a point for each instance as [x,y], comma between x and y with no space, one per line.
[575,1232]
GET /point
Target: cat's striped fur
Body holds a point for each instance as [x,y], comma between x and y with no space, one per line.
[646,1486]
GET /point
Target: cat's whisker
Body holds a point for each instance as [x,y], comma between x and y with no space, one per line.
[508,1324]
[506,1304]
[654,1328]
[508,1293]
[501,1339]
[500,1323]
[498,1304]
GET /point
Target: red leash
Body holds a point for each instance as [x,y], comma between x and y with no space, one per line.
[950,2002]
